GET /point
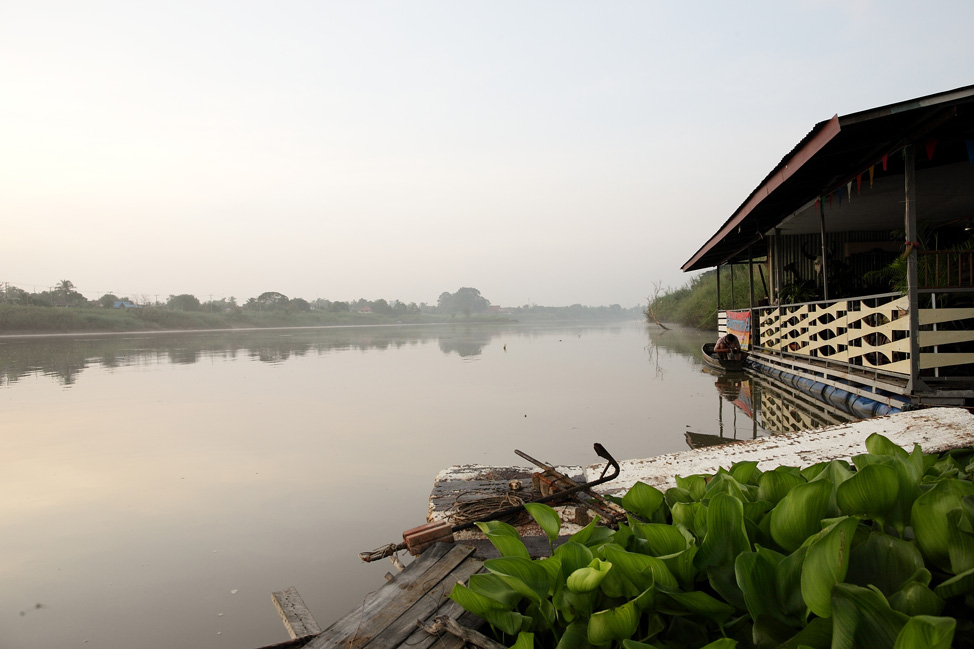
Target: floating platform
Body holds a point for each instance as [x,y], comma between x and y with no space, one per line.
[934,429]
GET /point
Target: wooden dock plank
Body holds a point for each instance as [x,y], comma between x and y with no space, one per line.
[420,639]
[296,617]
[376,600]
[397,628]
[398,594]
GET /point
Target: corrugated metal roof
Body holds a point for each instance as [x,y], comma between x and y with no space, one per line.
[833,153]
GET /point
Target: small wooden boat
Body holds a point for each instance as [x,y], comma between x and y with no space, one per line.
[736,365]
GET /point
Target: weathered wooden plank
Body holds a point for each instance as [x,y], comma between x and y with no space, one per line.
[396,595]
[296,617]
[421,639]
[397,625]
[347,624]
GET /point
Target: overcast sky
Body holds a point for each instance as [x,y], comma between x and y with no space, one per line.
[542,152]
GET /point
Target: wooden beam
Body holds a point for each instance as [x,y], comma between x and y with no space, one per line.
[296,617]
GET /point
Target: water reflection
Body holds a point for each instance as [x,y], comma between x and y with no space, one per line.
[747,405]
[66,357]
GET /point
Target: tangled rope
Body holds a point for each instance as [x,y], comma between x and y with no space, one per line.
[483,508]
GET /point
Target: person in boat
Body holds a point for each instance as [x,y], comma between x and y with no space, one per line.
[728,348]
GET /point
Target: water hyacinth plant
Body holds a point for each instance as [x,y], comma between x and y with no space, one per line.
[878,553]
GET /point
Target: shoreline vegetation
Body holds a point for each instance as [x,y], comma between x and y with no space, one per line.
[695,303]
[63,311]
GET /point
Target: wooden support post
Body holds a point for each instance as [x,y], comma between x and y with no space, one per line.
[913,297]
[752,331]
[296,617]
[825,267]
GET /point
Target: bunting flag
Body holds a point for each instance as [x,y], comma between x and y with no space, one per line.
[872,172]
[840,196]
[885,156]
[817,203]
[848,190]
[859,183]
[930,145]
[970,151]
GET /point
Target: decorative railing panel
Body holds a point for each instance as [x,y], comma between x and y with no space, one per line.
[871,332]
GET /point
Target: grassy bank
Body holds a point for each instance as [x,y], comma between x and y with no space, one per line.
[35,320]
[695,304]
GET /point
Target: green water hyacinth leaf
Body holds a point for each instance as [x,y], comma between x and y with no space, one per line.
[546,518]
[695,484]
[861,617]
[574,637]
[474,602]
[871,492]
[724,482]
[962,584]
[916,598]
[573,555]
[876,444]
[675,495]
[756,573]
[641,570]
[826,563]
[632,644]
[926,632]
[817,634]
[961,549]
[643,499]
[525,640]
[589,578]
[551,566]
[495,588]
[885,562]
[933,530]
[799,514]
[685,514]
[618,623]
[661,539]
[746,472]
[699,603]
[505,538]
[681,566]
[523,575]
[774,485]
[726,535]
[723,643]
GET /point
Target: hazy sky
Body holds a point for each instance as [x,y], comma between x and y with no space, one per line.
[545,152]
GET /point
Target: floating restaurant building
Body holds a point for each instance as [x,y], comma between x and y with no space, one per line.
[863,239]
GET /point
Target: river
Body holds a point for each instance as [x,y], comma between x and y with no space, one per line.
[156,488]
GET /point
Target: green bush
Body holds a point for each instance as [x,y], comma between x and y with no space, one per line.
[876,554]
[695,304]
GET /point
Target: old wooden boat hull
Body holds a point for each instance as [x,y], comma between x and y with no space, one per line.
[721,364]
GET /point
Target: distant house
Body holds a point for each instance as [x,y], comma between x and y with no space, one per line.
[125,304]
[365,309]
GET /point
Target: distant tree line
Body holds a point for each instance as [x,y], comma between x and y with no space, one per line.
[465,301]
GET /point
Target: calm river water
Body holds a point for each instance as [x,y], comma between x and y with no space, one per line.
[156,488]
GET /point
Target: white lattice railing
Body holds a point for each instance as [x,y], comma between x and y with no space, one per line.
[870,332]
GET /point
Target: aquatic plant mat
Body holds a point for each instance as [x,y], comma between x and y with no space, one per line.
[875,551]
